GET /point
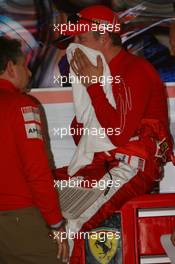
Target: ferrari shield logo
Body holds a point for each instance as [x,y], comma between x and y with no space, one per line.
[103,244]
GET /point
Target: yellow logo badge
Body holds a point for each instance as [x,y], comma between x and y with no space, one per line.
[103,244]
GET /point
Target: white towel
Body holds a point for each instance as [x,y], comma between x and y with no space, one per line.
[90,142]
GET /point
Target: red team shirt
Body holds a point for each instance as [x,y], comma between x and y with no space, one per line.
[25,179]
[139,95]
[141,112]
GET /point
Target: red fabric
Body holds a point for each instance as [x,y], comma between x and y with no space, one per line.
[140,184]
[94,16]
[151,229]
[78,127]
[148,98]
[141,110]
[26,178]
[144,232]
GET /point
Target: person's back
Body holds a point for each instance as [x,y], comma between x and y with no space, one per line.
[29,204]
[10,166]
[14,188]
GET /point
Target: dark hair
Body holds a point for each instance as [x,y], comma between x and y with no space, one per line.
[10,50]
[115,38]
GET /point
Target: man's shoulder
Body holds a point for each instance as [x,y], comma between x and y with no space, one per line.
[17,102]
[23,99]
[136,59]
[140,61]
[25,108]
[140,65]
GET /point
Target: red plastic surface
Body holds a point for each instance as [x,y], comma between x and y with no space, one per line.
[135,231]
[150,230]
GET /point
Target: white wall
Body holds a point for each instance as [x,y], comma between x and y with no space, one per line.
[60,116]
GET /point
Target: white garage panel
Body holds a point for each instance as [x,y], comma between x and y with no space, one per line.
[60,116]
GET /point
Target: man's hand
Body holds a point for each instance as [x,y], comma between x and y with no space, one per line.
[173,238]
[82,67]
[62,242]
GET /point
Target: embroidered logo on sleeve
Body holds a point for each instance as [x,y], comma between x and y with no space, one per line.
[33,130]
[31,113]
[32,122]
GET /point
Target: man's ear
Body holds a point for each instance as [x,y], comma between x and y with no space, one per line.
[10,69]
[104,38]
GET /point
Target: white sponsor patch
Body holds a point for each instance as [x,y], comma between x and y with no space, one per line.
[30,113]
[33,130]
[137,163]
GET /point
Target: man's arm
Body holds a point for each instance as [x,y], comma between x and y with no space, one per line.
[131,96]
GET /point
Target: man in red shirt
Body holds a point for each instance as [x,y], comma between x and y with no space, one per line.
[144,143]
[29,207]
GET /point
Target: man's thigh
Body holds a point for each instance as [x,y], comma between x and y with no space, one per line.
[24,239]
